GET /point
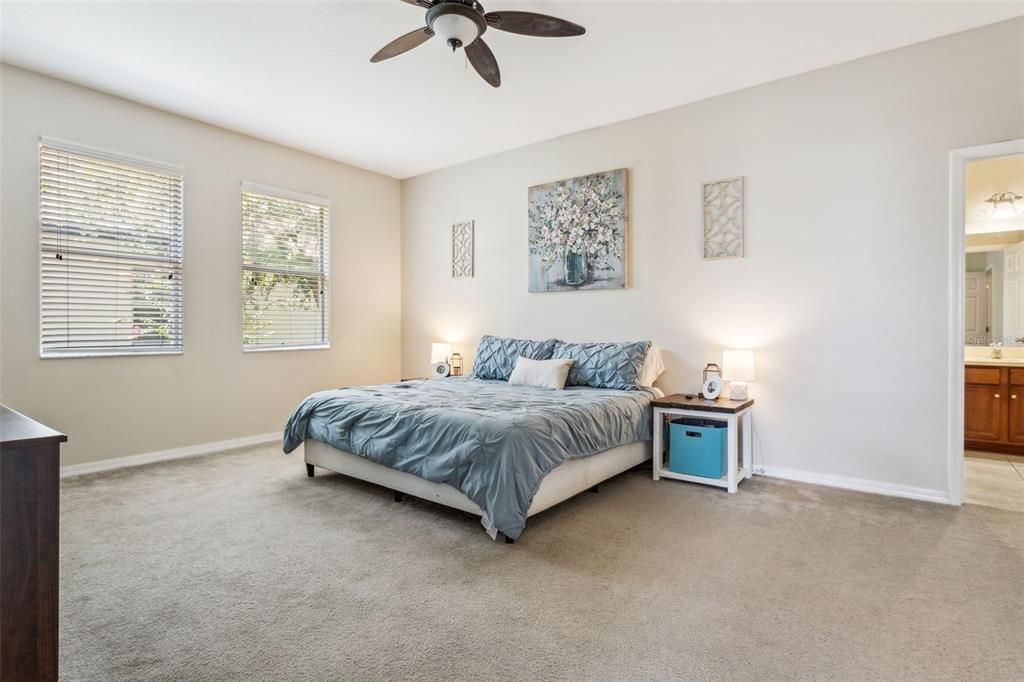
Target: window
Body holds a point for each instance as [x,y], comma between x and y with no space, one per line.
[110,233]
[284,270]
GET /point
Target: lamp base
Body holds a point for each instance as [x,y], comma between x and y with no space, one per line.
[738,390]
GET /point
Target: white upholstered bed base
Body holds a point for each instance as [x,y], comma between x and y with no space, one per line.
[567,479]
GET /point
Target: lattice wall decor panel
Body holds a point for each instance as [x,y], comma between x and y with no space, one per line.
[462,250]
[723,219]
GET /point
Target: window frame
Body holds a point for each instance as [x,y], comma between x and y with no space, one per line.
[132,161]
[325,273]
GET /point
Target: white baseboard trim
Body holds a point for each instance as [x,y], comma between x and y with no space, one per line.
[859,484]
[164,455]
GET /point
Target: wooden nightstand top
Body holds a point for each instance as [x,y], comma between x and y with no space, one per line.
[679,401]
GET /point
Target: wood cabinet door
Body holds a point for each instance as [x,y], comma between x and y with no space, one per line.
[983,410]
[1015,430]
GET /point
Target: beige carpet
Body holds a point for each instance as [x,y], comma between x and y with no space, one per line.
[237,566]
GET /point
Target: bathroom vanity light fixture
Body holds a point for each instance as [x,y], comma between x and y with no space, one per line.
[1005,205]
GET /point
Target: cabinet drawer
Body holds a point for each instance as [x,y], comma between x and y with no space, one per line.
[986,375]
[1017,376]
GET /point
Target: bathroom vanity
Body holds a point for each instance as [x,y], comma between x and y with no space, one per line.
[994,405]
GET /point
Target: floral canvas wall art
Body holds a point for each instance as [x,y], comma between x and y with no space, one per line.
[578,233]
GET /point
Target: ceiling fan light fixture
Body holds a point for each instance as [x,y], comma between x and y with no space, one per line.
[455,30]
[462,23]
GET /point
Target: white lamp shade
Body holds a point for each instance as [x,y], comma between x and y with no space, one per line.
[738,365]
[455,27]
[439,352]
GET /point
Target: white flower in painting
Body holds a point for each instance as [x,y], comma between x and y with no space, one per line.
[582,215]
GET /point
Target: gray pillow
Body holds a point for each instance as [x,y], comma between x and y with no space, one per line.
[496,356]
[604,365]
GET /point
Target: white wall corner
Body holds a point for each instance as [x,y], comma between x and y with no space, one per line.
[165,455]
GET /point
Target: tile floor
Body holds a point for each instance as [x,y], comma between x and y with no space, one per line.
[994,480]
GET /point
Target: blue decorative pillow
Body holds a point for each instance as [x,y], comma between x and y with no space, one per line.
[496,356]
[604,365]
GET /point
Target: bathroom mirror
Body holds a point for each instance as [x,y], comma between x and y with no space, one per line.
[994,278]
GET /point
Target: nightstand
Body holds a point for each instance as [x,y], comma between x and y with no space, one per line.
[737,416]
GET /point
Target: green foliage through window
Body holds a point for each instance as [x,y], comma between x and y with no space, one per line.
[284,272]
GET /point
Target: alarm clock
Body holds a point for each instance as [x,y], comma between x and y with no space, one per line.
[441,370]
[712,388]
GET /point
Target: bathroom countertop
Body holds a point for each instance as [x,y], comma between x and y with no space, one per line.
[1001,362]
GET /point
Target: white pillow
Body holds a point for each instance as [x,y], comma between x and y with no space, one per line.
[653,367]
[540,373]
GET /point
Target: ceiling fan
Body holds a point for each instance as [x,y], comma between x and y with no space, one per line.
[460,23]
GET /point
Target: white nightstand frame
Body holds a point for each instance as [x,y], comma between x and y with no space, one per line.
[739,437]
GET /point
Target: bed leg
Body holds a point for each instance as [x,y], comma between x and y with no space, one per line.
[399,496]
[596,488]
[310,470]
[509,541]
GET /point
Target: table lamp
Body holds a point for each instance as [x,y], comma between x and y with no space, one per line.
[439,352]
[738,368]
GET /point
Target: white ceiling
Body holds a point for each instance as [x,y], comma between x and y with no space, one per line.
[299,73]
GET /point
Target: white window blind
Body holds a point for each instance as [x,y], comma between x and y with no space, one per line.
[285,245]
[110,232]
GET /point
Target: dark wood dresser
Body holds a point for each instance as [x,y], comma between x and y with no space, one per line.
[29,539]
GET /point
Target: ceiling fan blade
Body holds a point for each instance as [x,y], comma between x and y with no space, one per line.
[483,61]
[531,24]
[425,4]
[402,44]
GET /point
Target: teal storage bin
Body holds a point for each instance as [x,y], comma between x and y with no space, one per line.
[697,447]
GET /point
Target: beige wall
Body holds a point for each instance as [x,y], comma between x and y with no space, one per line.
[112,407]
[843,292]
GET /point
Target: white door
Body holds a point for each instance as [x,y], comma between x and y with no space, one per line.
[1013,294]
[976,313]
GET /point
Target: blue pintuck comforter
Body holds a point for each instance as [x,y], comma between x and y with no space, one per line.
[493,441]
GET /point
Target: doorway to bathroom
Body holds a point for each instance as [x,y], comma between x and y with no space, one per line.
[987,457]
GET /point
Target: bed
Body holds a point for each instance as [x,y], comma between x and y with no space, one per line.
[501,451]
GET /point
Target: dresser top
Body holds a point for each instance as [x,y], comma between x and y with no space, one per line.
[681,402]
[18,431]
